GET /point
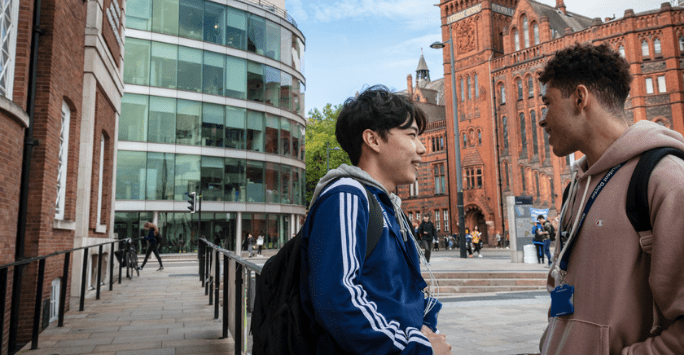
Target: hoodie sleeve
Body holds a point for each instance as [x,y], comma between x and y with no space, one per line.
[666,278]
[336,252]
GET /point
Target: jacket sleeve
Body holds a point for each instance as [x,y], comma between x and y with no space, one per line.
[336,252]
[666,278]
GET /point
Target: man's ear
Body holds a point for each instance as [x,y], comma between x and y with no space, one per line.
[371,139]
[582,96]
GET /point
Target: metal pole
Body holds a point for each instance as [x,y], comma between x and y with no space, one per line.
[14,310]
[39,301]
[225,297]
[217,282]
[84,273]
[238,308]
[3,293]
[111,266]
[121,265]
[63,289]
[457,151]
[200,253]
[99,271]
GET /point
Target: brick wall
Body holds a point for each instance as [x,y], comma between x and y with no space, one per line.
[108,31]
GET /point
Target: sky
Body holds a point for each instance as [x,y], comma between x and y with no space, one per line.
[351,44]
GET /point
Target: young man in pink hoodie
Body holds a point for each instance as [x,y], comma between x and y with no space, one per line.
[613,290]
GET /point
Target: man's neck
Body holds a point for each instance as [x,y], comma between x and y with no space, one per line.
[601,135]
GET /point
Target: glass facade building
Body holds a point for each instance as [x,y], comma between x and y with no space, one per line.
[214,101]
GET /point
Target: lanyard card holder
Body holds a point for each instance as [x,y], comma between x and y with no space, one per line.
[562,301]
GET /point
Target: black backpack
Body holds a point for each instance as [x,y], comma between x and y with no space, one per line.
[637,193]
[279,323]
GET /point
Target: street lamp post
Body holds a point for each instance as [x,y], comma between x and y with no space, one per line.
[457,146]
[327,155]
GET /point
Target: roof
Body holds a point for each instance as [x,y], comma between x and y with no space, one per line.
[559,22]
[472,157]
[421,64]
[433,112]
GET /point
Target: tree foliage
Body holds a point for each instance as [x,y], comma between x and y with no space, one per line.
[320,131]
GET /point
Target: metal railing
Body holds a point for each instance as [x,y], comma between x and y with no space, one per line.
[209,255]
[18,278]
[272,8]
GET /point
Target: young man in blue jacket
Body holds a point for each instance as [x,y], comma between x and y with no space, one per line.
[374,304]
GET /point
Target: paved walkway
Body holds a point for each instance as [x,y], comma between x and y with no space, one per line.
[167,313]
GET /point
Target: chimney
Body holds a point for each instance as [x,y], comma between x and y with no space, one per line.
[560,5]
[409,86]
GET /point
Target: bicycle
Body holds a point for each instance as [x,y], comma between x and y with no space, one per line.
[130,258]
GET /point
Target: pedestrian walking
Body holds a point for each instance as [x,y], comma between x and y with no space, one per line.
[250,245]
[539,236]
[260,242]
[550,236]
[426,233]
[152,239]
[469,242]
[477,241]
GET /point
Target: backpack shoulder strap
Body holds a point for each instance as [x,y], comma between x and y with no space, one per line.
[375,223]
[637,194]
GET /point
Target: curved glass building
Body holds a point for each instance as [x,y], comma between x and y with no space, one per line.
[214,100]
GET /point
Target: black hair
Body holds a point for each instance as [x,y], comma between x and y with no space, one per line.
[541,216]
[602,70]
[377,109]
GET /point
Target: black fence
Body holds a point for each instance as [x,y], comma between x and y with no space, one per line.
[18,278]
[210,273]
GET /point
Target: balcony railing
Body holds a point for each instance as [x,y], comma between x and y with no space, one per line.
[272,8]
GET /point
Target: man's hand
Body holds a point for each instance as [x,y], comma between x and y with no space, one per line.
[438,341]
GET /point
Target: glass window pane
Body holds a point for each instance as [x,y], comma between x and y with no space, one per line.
[285,91]
[296,187]
[214,22]
[139,14]
[523,133]
[212,178]
[661,85]
[162,120]
[191,19]
[272,127]
[235,127]
[130,175]
[285,184]
[272,90]
[297,54]
[164,17]
[536,34]
[234,180]
[133,119]
[255,181]
[164,65]
[649,85]
[284,136]
[295,139]
[256,33]
[272,183]
[255,82]
[236,28]
[213,73]
[137,59]
[212,125]
[533,123]
[188,122]
[272,40]
[644,48]
[286,46]
[236,78]
[190,69]
[187,175]
[255,131]
[299,101]
[160,176]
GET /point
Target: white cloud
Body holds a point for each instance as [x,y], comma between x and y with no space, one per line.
[296,10]
[415,13]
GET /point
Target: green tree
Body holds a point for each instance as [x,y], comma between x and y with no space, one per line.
[320,131]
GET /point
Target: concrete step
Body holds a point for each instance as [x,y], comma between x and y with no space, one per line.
[446,291]
[458,282]
[491,282]
[488,275]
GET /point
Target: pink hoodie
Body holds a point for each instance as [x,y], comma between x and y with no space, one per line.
[629,289]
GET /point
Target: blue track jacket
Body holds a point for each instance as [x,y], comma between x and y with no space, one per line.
[365,306]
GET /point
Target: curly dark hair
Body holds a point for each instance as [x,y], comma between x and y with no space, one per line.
[602,70]
[377,109]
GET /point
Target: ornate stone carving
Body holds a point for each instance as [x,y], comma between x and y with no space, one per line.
[465,35]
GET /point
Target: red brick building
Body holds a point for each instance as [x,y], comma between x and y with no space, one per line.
[429,195]
[73,116]
[500,47]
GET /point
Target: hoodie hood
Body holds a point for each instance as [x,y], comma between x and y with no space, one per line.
[637,139]
[364,178]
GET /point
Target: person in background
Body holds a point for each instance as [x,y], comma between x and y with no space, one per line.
[260,242]
[477,241]
[250,245]
[539,236]
[469,242]
[152,245]
[426,233]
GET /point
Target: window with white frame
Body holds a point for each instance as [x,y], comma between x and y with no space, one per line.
[503,94]
[621,49]
[418,216]
[661,84]
[644,48]
[9,18]
[410,215]
[681,43]
[526,32]
[446,220]
[437,219]
[413,189]
[536,34]
[54,299]
[100,178]
[516,39]
[656,47]
[649,85]
[62,161]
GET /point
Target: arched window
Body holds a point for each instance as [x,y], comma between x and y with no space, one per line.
[462,90]
[621,49]
[470,89]
[535,28]
[644,48]
[441,143]
[465,142]
[506,181]
[522,179]
[656,47]
[479,137]
[477,93]
[504,123]
[533,122]
[536,182]
[681,44]
[530,87]
[523,133]
[516,38]
[526,32]
[433,144]
[503,94]
[520,89]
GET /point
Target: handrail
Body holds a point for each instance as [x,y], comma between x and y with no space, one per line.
[18,272]
[272,8]
[208,251]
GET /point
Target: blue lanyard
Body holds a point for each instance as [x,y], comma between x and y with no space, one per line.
[590,202]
